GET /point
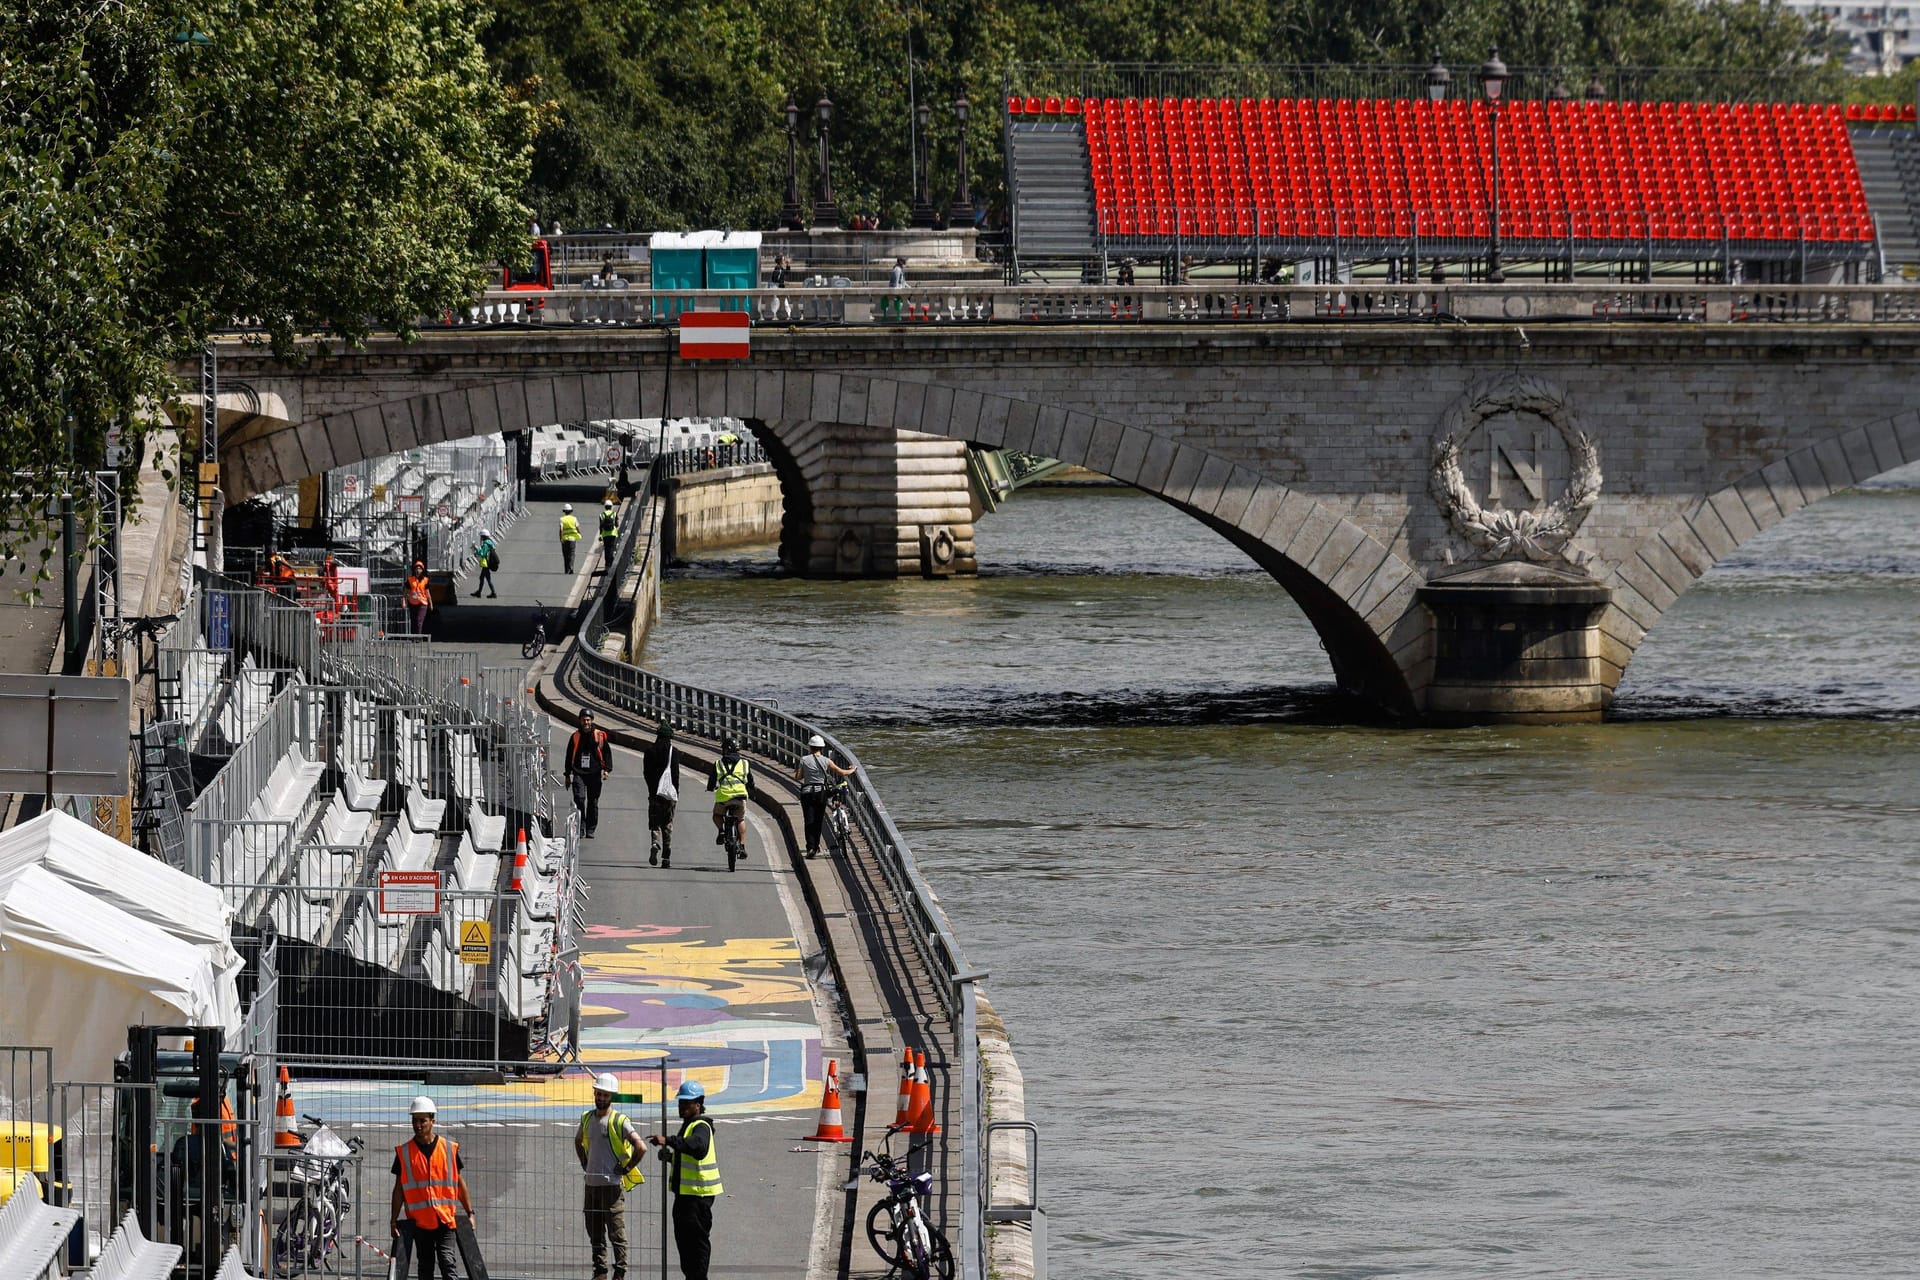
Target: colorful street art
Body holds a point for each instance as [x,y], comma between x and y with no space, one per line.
[736,1014]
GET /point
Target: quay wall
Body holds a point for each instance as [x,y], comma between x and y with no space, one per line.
[721,508]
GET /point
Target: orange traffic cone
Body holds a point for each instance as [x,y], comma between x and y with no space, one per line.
[519,864]
[903,1107]
[923,1121]
[285,1132]
[831,1128]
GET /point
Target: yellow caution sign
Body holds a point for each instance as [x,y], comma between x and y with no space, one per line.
[476,942]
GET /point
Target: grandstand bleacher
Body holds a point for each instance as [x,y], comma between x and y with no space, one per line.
[1603,179]
[380,756]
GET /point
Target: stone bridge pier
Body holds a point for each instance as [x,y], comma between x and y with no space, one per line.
[871,501]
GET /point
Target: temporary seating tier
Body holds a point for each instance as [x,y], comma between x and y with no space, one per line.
[31,1230]
[1321,169]
[129,1255]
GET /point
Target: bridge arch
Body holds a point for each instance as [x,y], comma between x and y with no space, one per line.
[1678,554]
[1357,592]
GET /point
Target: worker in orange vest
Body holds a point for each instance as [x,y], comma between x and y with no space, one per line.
[330,578]
[279,572]
[419,597]
[428,1191]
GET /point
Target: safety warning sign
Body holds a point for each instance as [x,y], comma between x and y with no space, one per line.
[409,893]
[476,942]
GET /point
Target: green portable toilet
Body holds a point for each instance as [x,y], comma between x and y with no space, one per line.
[733,262]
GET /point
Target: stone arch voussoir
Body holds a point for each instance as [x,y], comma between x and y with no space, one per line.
[1679,553]
[1355,589]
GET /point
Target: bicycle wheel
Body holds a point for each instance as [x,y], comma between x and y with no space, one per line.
[883,1232]
[918,1262]
[942,1255]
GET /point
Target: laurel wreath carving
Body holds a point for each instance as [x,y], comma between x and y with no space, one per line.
[1514,535]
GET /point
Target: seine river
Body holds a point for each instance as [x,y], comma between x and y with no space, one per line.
[1299,997]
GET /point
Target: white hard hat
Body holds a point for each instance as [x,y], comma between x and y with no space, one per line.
[486,533]
[606,1082]
[566,506]
[816,741]
[423,1106]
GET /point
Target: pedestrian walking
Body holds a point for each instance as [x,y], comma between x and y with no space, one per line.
[815,774]
[419,598]
[610,1153]
[694,1179]
[661,767]
[731,783]
[609,534]
[589,761]
[569,537]
[897,278]
[489,557]
[428,1190]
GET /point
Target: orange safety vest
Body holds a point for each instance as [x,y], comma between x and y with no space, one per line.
[418,591]
[430,1184]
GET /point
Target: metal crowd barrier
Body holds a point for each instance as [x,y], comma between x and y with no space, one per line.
[772,733]
[1218,302]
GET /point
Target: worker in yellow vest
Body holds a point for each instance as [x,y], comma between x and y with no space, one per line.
[429,1190]
[694,1179]
[569,536]
[609,535]
[609,1152]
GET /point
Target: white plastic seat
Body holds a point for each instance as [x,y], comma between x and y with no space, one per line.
[129,1255]
[31,1230]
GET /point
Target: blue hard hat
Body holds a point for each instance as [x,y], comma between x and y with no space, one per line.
[691,1091]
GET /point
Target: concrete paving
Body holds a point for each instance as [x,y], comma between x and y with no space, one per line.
[703,968]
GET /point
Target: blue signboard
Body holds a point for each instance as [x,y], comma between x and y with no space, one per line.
[219,621]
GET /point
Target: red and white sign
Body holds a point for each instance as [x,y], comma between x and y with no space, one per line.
[409,893]
[350,485]
[412,504]
[613,455]
[714,335]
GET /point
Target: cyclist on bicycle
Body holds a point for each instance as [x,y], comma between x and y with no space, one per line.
[816,773]
[731,783]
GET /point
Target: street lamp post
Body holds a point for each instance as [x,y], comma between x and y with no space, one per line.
[960,215]
[924,214]
[1439,80]
[825,212]
[1493,81]
[792,217]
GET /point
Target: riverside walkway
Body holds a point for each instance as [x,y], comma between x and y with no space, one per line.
[709,972]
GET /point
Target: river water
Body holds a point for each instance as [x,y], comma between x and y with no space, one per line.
[1298,996]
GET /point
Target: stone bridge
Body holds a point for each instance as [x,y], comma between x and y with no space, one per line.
[1482,520]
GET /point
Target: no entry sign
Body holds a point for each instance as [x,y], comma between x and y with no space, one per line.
[714,335]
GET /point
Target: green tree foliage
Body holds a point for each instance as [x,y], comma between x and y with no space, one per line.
[299,166]
[665,113]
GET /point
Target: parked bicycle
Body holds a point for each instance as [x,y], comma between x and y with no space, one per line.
[538,640]
[898,1226]
[320,1186]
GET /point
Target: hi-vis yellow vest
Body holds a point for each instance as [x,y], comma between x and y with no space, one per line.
[698,1177]
[731,782]
[618,1129]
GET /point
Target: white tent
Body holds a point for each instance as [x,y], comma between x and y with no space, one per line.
[122,876]
[139,885]
[76,972]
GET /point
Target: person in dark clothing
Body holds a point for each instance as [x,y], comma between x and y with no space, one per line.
[589,761]
[661,764]
[815,774]
[694,1179]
